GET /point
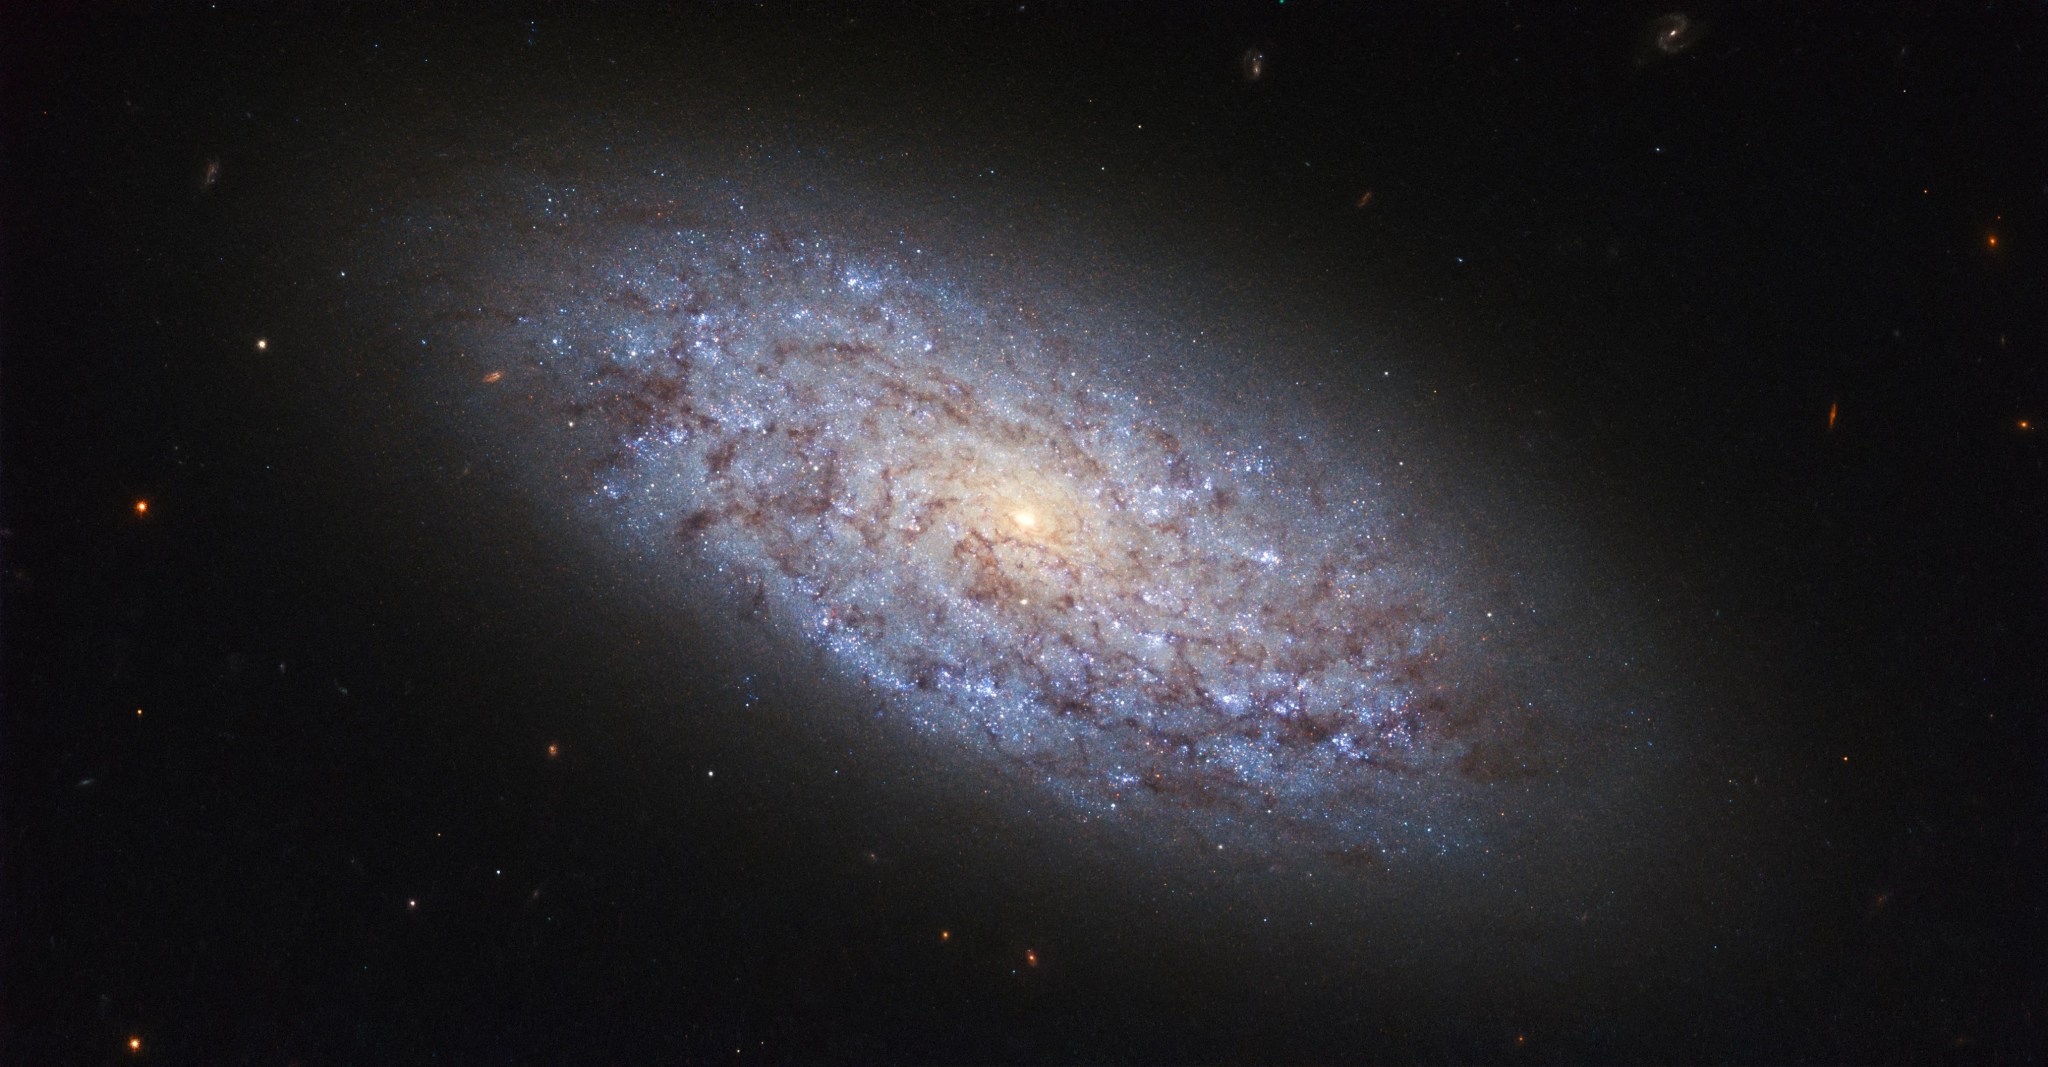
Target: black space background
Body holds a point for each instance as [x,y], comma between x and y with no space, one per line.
[1662,271]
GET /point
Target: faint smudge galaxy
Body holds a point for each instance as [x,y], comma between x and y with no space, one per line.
[1080,564]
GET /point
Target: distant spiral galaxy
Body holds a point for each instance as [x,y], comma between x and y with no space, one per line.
[1055,548]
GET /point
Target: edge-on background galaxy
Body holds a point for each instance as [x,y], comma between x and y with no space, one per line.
[1155,583]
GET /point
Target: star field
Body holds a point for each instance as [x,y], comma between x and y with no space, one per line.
[1020,533]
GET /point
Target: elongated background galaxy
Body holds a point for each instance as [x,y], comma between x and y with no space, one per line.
[1000,533]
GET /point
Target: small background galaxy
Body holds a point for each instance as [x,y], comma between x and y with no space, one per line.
[1284,532]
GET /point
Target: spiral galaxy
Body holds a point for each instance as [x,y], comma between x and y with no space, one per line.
[1052,548]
